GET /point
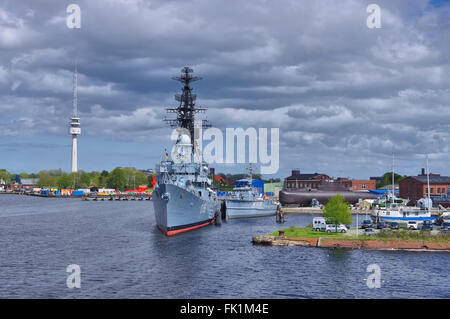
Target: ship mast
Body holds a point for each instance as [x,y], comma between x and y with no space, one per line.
[393,180]
[186,111]
[428,186]
[250,171]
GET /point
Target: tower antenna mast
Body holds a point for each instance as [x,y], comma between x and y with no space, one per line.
[74,124]
[428,186]
[75,92]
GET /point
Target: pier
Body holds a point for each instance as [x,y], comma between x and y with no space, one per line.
[93,197]
[117,197]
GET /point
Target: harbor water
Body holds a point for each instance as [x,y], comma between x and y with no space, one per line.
[122,254]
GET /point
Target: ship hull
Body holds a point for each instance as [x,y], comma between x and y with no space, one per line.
[404,219]
[178,211]
[246,209]
[301,197]
[396,216]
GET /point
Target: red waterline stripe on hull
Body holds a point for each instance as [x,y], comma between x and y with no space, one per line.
[171,233]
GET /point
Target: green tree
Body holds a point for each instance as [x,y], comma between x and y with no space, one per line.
[102,178]
[141,179]
[104,173]
[55,172]
[95,178]
[85,179]
[24,175]
[63,181]
[134,178]
[45,180]
[5,176]
[116,179]
[337,211]
[387,179]
[74,180]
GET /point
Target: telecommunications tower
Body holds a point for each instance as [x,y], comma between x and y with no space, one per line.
[74,124]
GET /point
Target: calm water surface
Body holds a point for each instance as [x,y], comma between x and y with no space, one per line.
[123,255]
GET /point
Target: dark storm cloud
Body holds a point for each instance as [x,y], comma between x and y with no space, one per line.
[311,68]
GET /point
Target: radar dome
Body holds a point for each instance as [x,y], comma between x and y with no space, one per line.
[184,139]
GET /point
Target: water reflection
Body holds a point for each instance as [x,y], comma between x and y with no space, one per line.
[123,255]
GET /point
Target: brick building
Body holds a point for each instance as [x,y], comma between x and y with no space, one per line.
[347,183]
[357,185]
[306,181]
[360,185]
[299,181]
[415,187]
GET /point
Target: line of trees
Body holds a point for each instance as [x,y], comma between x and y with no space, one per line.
[118,178]
[387,179]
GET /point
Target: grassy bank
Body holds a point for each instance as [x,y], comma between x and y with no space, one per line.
[396,235]
[306,232]
[408,235]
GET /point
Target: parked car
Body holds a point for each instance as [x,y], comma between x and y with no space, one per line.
[445,225]
[427,225]
[369,232]
[394,225]
[382,225]
[331,228]
[413,225]
[319,224]
[445,230]
[367,223]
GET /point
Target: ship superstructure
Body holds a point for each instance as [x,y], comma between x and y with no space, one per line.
[246,200]
[183,198]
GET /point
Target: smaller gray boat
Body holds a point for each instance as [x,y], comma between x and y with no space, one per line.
[246,201]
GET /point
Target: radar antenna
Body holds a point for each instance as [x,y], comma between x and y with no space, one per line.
[186,110]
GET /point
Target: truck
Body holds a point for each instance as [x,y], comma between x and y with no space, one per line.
[319,224]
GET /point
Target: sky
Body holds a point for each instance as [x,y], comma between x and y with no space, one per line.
[345,97]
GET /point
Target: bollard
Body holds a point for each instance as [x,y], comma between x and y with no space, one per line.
[218,218]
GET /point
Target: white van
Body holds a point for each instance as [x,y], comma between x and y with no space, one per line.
[413,225]
[319,224]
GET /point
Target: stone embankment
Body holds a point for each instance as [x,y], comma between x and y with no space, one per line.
[352,243]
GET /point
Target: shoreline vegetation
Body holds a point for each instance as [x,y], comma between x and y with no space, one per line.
[120,178]
[385,240]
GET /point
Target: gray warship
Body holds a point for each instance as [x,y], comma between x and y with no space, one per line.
[183,199]
[245,201]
